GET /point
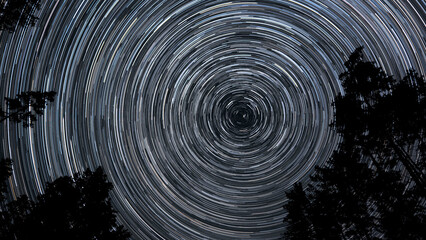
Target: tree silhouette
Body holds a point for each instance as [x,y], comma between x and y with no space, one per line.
[401,210]
[26,106]
[363,191]
[300,226]
[386,118]
[339,197]
[70,208]
[5,172]
[17,12]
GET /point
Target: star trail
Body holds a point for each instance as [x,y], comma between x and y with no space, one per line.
[201,113]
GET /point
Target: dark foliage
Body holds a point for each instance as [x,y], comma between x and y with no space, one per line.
[385,118]
[26,106]
[5,172]
[300,226]
[364,191]
[70,208]
[17,13]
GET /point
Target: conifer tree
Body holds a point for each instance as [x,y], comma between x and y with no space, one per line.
[26,106]
[70,208]
[364,191]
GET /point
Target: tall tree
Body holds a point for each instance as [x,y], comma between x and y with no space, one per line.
[17,13]
[70,208]
[363,192]
[300,226]
[385,117]
[5,172]
[26,106]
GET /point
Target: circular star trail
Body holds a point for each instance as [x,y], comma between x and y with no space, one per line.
[202,113]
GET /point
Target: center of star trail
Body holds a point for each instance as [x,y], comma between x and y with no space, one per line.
[242,117]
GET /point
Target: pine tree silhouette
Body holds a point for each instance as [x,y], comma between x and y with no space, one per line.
[70,208]
[26,106]
[364,191]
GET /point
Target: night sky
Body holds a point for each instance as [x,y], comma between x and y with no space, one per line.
[201,113]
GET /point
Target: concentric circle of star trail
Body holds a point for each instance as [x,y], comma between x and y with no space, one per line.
[202,113]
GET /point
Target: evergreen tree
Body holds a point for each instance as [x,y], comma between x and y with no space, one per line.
[385,118]
[26,106]
[300,227]
[70,208]
[362,192]
[5,172]
[343,185]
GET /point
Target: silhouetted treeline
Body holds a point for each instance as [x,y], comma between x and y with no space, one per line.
[373,186]
[70,208]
